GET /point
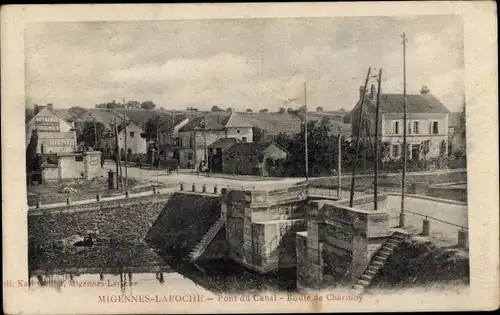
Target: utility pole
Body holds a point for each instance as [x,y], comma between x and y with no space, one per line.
[118,166]
[375,182]
[403,179]
[358,135]
[205,139]
[339,165]
[305,132]
[193,135]
[126,151]
[95,136]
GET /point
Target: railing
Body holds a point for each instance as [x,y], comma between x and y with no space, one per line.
[436,219]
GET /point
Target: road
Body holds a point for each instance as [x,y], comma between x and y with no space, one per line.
[188,179]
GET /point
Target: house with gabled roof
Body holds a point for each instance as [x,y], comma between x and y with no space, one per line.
[200,132]
[245,158]
[426,128]
[55,134]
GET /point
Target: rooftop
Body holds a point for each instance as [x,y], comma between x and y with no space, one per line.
[415,103]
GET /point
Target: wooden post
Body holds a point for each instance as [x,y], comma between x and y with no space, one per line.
[125,129]
[401,217]
[305,133]
[375,158]
[360,125]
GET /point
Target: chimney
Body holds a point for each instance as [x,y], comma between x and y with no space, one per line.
[372,92]
[50,107]
[39,108]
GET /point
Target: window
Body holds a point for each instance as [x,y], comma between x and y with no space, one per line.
[396,127]
[131,134]
[237,131]
[435,128]
[180,142]
[244,139]
[416,127]
[190,156]
[395,150]
[409,127]
[191,143]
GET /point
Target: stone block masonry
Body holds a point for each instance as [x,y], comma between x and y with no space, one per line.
[117,228]
[261,230]
[124,231]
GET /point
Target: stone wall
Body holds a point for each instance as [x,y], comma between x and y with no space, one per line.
[274,244]
[393,181]
[341,241]
[183,222]
[260,231]
[118,228]
[125,232]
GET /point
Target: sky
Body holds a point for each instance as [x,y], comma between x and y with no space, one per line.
[241,63]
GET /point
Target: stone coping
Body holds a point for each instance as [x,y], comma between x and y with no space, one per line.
[278,221]
[168,190]
[448,201]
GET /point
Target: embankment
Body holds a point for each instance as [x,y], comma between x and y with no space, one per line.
[113,233]
[421,263]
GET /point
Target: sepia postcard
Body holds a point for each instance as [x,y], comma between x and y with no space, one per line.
[250,158]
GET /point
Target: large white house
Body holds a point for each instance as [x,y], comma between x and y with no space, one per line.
[136,144]
[55,134]
[427,124]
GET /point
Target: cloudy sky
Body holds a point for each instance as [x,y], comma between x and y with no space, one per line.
[251,63]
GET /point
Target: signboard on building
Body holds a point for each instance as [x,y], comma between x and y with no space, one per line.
[57,145]
[47,124]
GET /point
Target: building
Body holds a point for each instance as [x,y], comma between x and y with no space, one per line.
[216,151]
[427,124]
[74,165]
[200,132]
[55,134]
[254,159]
[168,137]
[136,144]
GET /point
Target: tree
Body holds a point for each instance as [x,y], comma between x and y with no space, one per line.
[325,121]
[148,105]
[342,110]
[265,110]
[133,104]
[111,105]
[319,109]
[282,110]
[424,90]
[229,109]
[153,127]
[216,108]
[88,134]
[77,111]
[249,110]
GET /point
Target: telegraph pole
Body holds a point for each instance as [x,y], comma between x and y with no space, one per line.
[205,140]
[358,135]
[403,179]
[339,165]
[305,132]
[95,136]
[125,129]
[375,182]
[118,164]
